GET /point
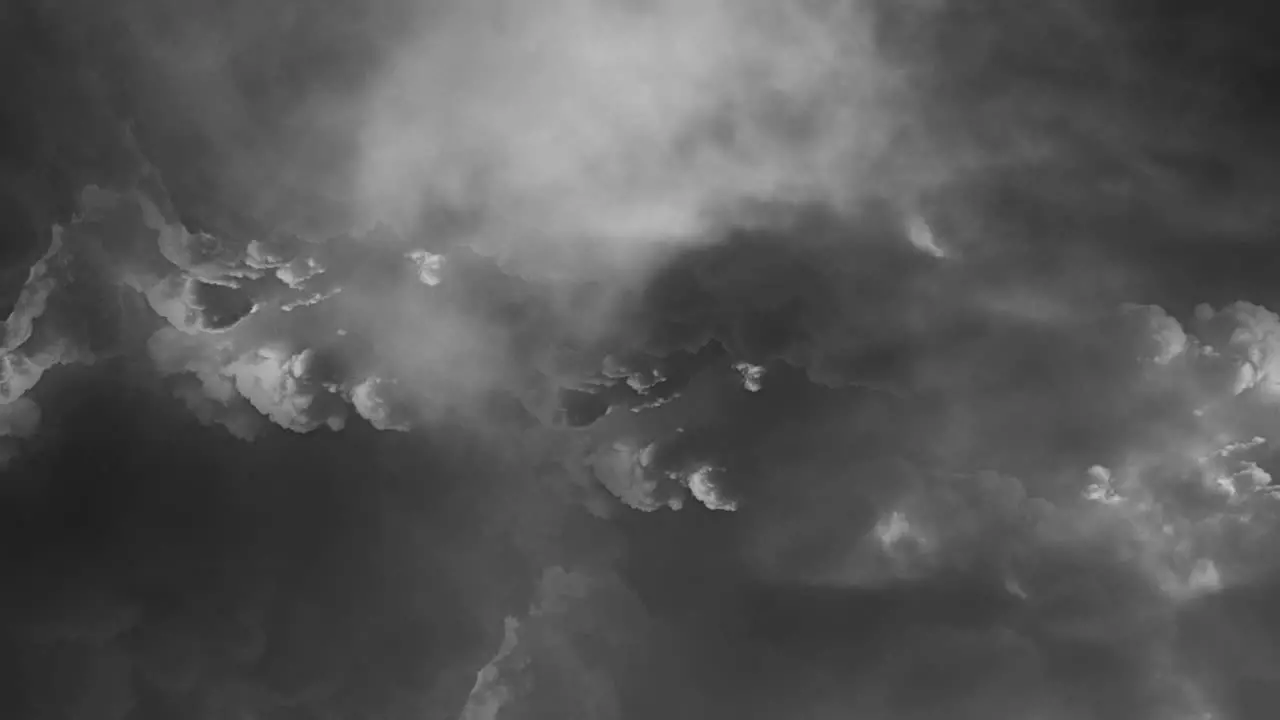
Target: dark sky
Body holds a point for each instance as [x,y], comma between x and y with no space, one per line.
[638,359]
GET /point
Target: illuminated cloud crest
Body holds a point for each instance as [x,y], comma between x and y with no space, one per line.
[259,326]
[701,482]
[624,470]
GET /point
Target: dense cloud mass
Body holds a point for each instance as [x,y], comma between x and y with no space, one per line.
[630,359]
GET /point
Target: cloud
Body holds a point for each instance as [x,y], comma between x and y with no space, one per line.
[55,321]
[18,421]
[375,401]
[704,487]
[1177,511]
[27,355]
[19,418]
[603,127]
[1094,529]
[623,469]
[191,304]
[275,382]
[233,581]
[233,303]
[834,267]
[558,657]
[1186,437]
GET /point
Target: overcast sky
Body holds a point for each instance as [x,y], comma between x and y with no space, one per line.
[638,360]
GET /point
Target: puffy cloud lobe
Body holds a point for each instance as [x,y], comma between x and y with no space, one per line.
[276,382]
[429,265]
[625,471]
[1164,335]
[702,483]
[1245,335]
[921,235]
[751,375]
[375,401]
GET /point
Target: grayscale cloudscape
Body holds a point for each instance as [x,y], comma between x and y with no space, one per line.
[638,359]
